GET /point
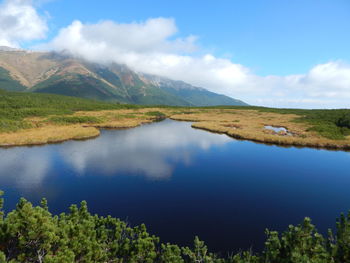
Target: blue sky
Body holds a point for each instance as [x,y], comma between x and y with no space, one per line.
[266,52]
[270,36]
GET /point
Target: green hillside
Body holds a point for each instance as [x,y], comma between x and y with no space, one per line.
[8,83]
[203,97]
[79,86]
[16,106]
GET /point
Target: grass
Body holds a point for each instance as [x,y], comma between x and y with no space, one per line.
[15,107]
[74,119]
[24,113]
[29,118]
[13,125]
[332,124]
[311,130]
[156,114]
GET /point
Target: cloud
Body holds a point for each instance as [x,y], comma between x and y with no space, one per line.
[152,47]
[20,22]
[325,85]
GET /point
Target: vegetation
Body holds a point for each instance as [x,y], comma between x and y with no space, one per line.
[7,82]
[74,119]
[332,124]
[64,75]
[156,114]
[16,106]
[20,111]
[79,86]
[32,234]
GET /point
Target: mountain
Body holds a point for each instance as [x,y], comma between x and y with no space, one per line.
[61,74]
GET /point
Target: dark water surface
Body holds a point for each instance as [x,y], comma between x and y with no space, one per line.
[183,182]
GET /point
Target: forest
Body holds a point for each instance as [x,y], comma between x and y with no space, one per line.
[32,234]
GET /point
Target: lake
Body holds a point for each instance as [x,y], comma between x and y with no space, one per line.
[183,182]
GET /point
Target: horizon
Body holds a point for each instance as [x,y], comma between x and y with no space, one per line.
[242,55]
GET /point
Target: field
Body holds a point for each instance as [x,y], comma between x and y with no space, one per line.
[310,128]
[28,119]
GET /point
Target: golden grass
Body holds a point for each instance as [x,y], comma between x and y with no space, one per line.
[44,131]
[241,124]
[47,134]
[250,125]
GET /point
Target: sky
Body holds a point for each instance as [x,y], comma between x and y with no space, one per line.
[271,53]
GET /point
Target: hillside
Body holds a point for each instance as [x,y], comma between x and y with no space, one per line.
[42,72]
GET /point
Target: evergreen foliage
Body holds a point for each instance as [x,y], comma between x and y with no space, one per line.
[32,234]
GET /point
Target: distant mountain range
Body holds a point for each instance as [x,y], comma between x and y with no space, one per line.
[28,71]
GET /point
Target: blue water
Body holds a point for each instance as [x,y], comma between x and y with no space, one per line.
[183,182]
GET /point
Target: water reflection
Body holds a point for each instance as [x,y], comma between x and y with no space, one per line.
[25,167]
[151,150]
[218,186]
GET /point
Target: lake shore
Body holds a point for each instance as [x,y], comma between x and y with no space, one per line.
[250,125]
[46,132]
[236,123]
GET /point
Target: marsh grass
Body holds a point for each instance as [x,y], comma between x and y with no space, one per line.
[74,119]
[24,113]
[47,134]
[7,125]
[21,105]
[313,132]
[155,114]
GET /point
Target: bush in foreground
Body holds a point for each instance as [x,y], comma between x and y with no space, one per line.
[33,234]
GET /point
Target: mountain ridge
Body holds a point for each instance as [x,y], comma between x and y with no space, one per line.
[49,72]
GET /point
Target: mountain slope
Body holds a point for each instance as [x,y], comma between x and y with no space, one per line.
[59,74]
[8,83]
[194,95]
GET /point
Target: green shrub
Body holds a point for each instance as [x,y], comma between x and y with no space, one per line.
[155,114]
[74,119]
[32,234]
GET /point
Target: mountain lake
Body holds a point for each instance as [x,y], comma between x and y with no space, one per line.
[183,182]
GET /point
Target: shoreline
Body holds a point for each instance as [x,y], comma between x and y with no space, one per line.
[93,135]
[278,143]
[238,124]
[249,125]
[345,148]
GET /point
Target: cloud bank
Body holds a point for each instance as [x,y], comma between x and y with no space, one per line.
[20,22]
[152,46]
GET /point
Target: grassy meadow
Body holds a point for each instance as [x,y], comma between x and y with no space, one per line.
[27,118]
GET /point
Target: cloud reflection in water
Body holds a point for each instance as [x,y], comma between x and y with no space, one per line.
[151,150]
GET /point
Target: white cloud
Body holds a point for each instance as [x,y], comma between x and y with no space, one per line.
[152,47]
[325,85]
[20,22]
